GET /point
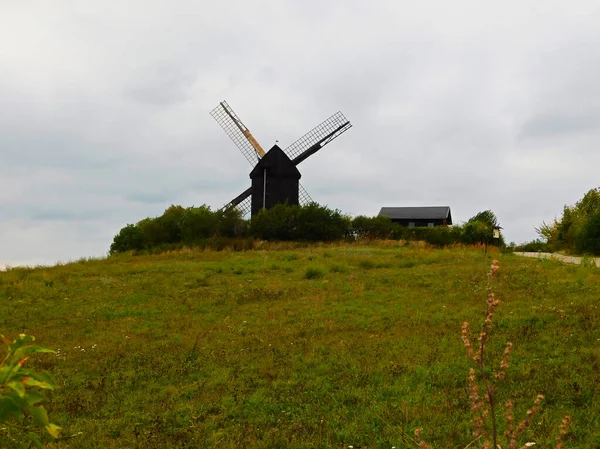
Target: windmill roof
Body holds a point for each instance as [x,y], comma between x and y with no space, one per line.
[417,213]
[277,163]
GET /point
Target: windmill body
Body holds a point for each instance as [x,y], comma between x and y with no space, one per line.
[275,180]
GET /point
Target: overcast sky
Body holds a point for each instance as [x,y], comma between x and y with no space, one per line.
[104,109]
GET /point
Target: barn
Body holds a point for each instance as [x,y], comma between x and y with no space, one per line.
[418,216]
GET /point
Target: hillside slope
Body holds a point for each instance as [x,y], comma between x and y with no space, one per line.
[312,347]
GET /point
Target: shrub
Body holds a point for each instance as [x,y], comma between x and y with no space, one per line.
[366,264]
[480,228]
[310,223]
[588,237]
[198,223]
[476,232]
[300,223]
[487,217]
[178,226]
[534,246]
[339,268]
[313,273]
[277,223]
[442,235]
[570,232]
[372,227]
[164,229]
[229,223]
[319,223]
[131,237]
[438,235]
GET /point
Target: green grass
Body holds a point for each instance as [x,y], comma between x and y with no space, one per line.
[228,350]
[313,273]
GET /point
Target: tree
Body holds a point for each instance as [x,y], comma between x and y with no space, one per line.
[198,223]
[164,229]
[567,232]
[319,223]
[487,217]
[230,223]
[311,222]
[474,232]
[480,228]
[588,237]
[589,204]
[131,237]
[372,227]
[278,223]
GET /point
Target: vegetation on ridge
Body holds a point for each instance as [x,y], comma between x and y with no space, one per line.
[200,227]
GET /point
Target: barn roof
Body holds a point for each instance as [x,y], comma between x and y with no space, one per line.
[278,163]
[417,213]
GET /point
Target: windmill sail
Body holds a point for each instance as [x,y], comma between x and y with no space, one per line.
[303,196]
[237,132]
[241,202]
[318,137]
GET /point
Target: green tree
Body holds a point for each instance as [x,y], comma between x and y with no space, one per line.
[372,227]
[131,237]
[229,223]
[309,223]
[164,229]
[319,223]
[278,223]
[480,228]
[198,223]
[487,217]
[588,237]
[590,203]
[566,233]
[474,232]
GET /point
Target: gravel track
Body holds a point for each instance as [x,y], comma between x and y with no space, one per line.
[565,259]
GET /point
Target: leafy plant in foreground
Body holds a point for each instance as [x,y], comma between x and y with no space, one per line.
[16,401]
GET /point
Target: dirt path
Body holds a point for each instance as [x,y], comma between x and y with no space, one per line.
[565,259]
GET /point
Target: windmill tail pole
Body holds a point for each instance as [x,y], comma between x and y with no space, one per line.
[317,146]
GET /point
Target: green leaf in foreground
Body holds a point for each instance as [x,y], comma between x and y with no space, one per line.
[15,400]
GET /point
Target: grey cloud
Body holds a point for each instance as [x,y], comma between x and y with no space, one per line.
[149,197]
[564,96]
[64,215]
[552,126]
[105,112]
[161,85]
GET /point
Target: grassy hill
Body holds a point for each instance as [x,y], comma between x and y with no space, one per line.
[332,346]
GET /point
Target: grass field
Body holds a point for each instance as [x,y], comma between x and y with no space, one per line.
[333,346]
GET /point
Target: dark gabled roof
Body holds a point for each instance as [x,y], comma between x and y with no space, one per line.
[417,213]
[277,163]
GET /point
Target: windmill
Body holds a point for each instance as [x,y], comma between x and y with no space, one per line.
[275,178]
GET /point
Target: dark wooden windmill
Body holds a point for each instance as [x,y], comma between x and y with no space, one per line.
[275,178]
